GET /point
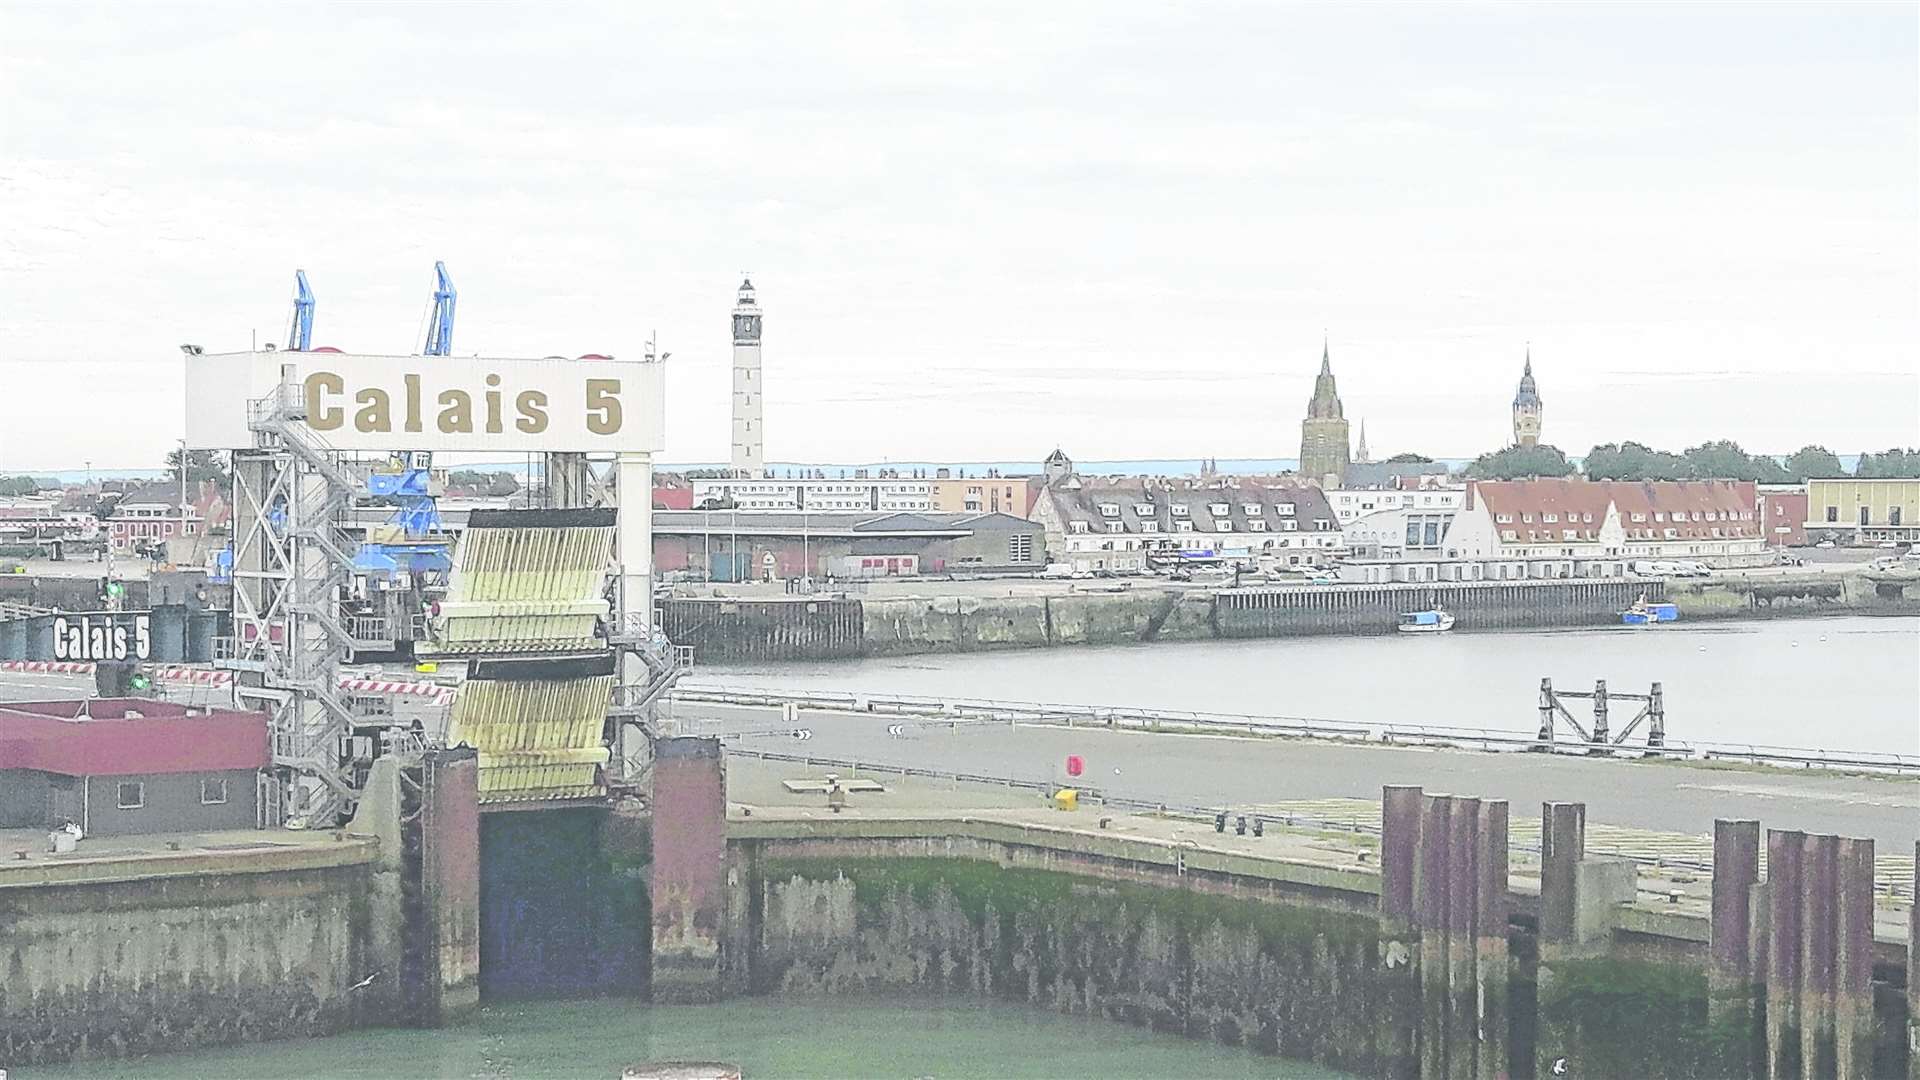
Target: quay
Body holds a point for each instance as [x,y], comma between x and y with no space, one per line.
[754,628]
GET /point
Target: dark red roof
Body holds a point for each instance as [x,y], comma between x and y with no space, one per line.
[128,736]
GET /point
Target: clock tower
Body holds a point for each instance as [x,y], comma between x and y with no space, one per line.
[749,435]
[1526,407]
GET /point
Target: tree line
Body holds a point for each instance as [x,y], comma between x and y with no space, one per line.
[1720,459]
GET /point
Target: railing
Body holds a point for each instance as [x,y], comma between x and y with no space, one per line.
[1368,826]
[1013,713]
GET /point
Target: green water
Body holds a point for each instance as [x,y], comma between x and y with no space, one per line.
[765,1037]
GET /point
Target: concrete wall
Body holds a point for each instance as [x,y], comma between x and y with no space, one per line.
[1795,594]
[171,803]
[134,957]
[1204,956]
[25,799]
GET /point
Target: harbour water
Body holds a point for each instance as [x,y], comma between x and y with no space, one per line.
[1835,684]
[767,1038]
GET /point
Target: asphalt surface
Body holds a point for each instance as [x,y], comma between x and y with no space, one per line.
[1246,773]
[1208,770]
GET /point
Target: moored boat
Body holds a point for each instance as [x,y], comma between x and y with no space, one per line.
[1425,622]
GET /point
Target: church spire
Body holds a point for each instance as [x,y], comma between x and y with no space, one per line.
[1360,451]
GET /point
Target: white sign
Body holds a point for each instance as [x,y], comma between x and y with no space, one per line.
[387,403]
[102,637]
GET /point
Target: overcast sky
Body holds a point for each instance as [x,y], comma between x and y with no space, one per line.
[980,231]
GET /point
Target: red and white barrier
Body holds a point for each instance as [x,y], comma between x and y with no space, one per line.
[204,676]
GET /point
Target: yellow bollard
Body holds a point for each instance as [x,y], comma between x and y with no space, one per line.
[1066,799]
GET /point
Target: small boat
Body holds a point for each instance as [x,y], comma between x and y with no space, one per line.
[1425,622]
[1645,614]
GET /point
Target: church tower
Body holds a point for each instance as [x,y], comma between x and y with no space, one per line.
[749,433]
[1526,407]
[1360,454]
[1324,449]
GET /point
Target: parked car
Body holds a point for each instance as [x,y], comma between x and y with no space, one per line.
[1690,568]
[1825,544]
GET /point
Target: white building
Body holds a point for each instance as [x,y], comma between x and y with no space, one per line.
[1399,534]
[887,494]
[1113,524]
[1350,505]
[749,430]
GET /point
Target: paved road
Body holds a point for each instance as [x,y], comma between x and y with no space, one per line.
[1212,770]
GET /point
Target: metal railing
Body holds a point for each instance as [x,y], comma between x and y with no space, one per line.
[1129,718]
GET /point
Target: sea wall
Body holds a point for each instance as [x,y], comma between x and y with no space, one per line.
[138,956]
[727,630]
[1789,595]
[1296,968]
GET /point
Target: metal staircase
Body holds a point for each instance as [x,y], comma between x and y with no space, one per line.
[290,568]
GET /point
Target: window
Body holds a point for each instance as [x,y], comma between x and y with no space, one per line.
[1504,519]
[1509,535]
[1257,526]
[1289,526]
[1550,518]
[1283,508]
[1079,526]
[132,795]
[1109,509]
[1183,526]
[213,790]
[1833,513]
[1143,509]
[1224,525]
[1527,517]
[1863,515]
[1893,515]
[1020,547]
[1250,509]
[1569,534]
[1178,509]
[1116,526]
[1219,509]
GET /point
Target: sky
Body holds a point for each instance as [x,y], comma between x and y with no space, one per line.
[980,231]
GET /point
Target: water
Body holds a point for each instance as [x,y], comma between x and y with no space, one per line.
[1836,684]
[765,1037]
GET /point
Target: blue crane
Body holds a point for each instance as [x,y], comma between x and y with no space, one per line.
[440,329]
[300,331]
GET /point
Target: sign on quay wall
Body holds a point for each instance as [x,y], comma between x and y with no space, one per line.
[384,403]
[103,636]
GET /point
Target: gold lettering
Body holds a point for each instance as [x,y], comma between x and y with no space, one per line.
[533,411]
[320,416]
[456,416]
[493,405]
[603,406]
[373,414]
[413,402]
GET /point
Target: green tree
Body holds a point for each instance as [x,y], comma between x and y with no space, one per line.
[201,465]
[1723,459]
[1893,464]
[1409,459]
[1631,461]
[1520,461]
[1813,462]
[15,486]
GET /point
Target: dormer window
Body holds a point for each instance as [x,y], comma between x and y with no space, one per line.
[1179,510]
[1250,509]
[1079,526]
[1224,525]
[1109,509]
[1116,526]
[1257,526]
[1183,526]
[1143,509]
[1504,519]
[1219,509]
[1283,508]
[1527,517]
[1550,518]
[1659,515]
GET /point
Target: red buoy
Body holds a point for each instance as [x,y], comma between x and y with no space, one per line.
[1075,765]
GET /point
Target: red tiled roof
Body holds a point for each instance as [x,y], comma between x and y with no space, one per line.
[164,738]
[1526,504]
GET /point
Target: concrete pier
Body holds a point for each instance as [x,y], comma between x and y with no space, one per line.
[440,887]
[689,869]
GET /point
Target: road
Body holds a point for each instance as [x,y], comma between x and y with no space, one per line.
[1216,770]
[1246,773]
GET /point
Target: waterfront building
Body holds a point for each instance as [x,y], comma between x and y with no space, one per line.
[1783,514]
[1350,505]
[720,545]
[1858,511]
[126,766]
[1575,525]
[1324,453]
[988,494]
[749,429]
[821,495]
[1403,532]
[1114,523]
[1527,407]
[156,514]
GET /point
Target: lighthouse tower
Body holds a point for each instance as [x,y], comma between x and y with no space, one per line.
[749,433]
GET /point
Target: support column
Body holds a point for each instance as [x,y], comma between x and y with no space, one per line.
[1399,1041]
[1430,906]
[1563,843]
[1819,881]
[1784,849]
[689,869]
[1853,961]
[1913,972]
[1733,984]
[439,963]
[1490,939]
[1399,843]
[1463,822]
[633,592]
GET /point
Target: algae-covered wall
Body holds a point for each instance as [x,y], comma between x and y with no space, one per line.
[1607,1016]
[151,964]
[1301,981]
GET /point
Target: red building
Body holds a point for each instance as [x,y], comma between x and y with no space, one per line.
[1783,515]
[120,766]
